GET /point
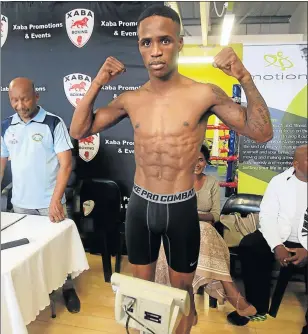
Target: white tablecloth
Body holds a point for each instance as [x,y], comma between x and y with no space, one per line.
[29,273]
[8,219]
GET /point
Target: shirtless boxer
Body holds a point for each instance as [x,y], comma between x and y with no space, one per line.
[169,115]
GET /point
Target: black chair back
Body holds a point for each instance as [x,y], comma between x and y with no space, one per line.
[243,204]
[106,196]
[106,214]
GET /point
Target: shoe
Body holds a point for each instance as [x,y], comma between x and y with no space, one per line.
[248,311]
[71,300]
[214,290]
[235,319]
[242,317]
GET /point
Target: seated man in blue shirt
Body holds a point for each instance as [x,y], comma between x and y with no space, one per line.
[39,147]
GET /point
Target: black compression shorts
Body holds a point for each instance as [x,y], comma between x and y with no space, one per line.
[151,217]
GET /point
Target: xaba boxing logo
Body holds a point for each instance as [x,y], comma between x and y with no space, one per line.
[4,29]
[278,60]
[75,86]
[88,147]
[79,26]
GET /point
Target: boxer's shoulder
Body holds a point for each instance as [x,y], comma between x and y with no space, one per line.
[196,86]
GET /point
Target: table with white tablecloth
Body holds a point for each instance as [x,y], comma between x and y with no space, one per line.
[29,273]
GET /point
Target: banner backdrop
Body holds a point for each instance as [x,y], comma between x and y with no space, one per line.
[61,46]
[280,74]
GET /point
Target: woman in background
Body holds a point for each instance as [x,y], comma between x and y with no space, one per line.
[213,271]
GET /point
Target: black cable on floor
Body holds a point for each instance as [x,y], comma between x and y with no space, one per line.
[127,321]
[130,316]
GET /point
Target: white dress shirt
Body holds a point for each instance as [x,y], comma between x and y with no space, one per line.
[282,209]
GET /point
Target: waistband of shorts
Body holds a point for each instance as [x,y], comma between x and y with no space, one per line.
[164,198]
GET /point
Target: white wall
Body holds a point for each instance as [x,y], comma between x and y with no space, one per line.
[298,21]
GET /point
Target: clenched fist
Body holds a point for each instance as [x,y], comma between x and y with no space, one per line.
[110,69]
[227,61]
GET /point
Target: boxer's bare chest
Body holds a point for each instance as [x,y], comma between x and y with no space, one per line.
[172,114]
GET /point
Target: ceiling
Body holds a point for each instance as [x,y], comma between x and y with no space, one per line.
[248,12]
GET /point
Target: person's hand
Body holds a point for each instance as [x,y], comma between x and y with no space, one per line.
[281,254]
[227,61]
[110,69]
[299,257]
[56,211]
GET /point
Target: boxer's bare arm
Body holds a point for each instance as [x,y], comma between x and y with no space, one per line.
[84,122]
[107,117]
[253,122]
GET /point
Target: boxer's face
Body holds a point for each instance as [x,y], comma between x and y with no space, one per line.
[159,45]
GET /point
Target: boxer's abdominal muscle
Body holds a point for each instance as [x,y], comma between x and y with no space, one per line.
[166,154]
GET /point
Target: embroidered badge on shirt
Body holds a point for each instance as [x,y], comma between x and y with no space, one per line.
[37,137]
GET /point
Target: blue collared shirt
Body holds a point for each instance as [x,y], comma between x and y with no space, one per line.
[33,148]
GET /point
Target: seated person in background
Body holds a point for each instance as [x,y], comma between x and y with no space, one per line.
[39,146]
[281,214]
[213,270]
